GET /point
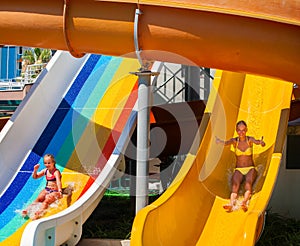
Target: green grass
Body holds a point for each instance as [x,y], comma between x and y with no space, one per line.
[114,215]
[112,219]
[280,231]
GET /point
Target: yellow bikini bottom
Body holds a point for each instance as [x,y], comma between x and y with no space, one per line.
[244,170]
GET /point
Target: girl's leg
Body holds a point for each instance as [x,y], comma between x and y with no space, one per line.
[236,182]
[237,178]
[50,198]
[40,198]
[250,178]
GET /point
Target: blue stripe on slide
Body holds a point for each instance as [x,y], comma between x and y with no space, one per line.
[63,132]
[62,127]
[90,107]
[65,105]
[10,194]
[22,177]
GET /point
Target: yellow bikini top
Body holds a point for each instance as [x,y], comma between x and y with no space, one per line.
[247,151]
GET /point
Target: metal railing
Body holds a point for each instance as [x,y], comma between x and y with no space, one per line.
[11,84]
[170,83]
[28,77]
[170,86]
[32,72]
[179,83]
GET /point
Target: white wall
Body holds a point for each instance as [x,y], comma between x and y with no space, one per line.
[285,199]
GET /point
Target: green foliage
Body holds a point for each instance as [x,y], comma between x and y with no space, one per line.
[28,56]
[37,53]
[280,231]
[111,219]
[36,56]
[45,55]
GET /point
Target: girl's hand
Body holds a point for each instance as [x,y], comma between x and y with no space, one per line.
[262,143]
[36,167]
[218,140]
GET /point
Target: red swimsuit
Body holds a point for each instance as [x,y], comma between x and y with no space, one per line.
[50,178]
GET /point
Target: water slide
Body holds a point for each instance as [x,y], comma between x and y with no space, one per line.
[80,110]
[190,211]
[245,37]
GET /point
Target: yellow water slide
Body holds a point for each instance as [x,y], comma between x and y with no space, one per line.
[190,212]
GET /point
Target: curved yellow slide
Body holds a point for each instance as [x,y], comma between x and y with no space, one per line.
[190,212]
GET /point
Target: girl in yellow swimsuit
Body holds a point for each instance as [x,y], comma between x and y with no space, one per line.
[244,164]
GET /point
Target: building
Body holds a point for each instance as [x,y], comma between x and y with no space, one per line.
[10,62]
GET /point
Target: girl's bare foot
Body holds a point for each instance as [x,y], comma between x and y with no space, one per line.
[228,208]
[244,207]
[24,213]
[37,215]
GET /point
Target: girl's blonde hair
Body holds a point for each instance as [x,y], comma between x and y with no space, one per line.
[50,156]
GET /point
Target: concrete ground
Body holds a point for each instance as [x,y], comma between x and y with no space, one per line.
[103,242]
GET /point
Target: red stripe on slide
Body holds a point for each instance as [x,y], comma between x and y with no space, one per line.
[113,137]
[87,186]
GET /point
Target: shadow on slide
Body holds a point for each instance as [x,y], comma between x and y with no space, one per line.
[190,211]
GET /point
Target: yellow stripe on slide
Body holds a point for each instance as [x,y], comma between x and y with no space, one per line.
[97,132]
[113,102]
[15,239]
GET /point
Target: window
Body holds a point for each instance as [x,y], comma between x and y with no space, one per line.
[292,152]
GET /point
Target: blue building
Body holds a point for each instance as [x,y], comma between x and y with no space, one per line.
[10,62]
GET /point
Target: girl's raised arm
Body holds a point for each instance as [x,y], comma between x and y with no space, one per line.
[258,141]
[225,142]
[37,174]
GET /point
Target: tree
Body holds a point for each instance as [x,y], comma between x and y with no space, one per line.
[36,56]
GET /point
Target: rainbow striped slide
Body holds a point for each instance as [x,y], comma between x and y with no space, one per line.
[82,111]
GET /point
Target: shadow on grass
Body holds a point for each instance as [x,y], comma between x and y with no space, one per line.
[280,231]
[113,219]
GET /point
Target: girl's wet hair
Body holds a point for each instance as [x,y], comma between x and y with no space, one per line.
[241,122]
[50,156]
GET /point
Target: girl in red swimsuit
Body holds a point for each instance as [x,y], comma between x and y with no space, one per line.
[244,164]
[53,189]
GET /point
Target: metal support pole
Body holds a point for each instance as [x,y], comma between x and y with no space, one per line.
[206,83]
[143,138]
[192,83]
